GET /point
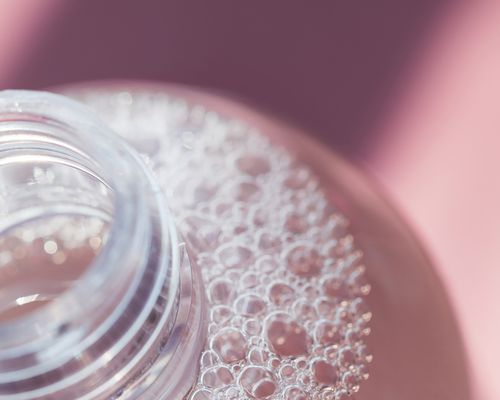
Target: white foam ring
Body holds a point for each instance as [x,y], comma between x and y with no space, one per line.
[283,275]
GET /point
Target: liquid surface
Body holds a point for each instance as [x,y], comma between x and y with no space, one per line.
[41,259]
[284,279]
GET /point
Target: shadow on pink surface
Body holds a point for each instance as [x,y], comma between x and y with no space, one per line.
[330,66]
[440,157]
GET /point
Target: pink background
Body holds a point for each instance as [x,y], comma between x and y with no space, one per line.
[409,89]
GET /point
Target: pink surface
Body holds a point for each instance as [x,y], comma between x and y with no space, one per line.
[440,159]
[20,28]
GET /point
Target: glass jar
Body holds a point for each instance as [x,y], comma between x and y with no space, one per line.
[95,285]
[263,294]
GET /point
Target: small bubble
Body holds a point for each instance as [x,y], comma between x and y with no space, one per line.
[343,395]
[305,379]
[328,394]
[258,382]
[363,352]
[258,356]
[310,292]
[274,363]
[363,372]
[335,287]
[331,352]
[209,358]
[252,327]
[27,235]
[327,333]
[267,265]
[352,335]
[253,165]
[297,178]
[260,217]
[286,336]
[59,258]
[50,247]
[5,258]
[201,394]
[249,280]
[235,256]
[325,373]
[246,191]
[230,345]
[281,294]
[295,393]
[250,305]
[296,223]
[221,291]
[346,357]
[95,242]
[358,306]
[221,314]
[268,242]
[304,310]
[350,381]
[202,233]
[357,282]
[217,377]
[304,261]
[287,371]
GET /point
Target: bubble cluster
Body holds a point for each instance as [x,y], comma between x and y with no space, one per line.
[284,280]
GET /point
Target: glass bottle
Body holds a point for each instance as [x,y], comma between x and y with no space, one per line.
[214,253]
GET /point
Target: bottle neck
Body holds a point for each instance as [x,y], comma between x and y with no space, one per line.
[71,191]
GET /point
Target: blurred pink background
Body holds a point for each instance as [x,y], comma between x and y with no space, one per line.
[409,89]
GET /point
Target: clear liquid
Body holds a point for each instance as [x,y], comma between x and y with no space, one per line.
[42,258]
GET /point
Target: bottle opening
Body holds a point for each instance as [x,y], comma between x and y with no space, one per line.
[44,257]
[56,212]
[96,291]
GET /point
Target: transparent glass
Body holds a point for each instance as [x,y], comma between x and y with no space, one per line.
[95,285]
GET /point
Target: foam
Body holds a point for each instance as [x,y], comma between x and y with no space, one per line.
[284,279]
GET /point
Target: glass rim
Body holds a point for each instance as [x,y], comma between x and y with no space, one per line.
[129,226]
